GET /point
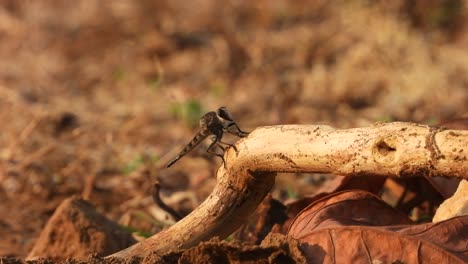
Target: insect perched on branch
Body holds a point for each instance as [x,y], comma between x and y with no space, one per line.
[213,123]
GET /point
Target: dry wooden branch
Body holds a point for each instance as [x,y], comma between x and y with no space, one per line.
[391,149]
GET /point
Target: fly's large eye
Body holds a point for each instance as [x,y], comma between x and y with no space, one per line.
[224,113]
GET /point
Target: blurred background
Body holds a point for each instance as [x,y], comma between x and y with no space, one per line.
[96,96]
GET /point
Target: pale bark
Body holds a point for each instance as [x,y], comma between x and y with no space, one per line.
[457,205]
[392,149]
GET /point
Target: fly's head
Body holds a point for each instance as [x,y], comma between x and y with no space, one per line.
[225,115]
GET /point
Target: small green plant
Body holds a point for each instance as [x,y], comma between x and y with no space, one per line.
[146,218]
[136,231]
[385,119]
[154,82]
[190,112]
[290,193]
[217,89]
[424,218]
[119,74]
[138,161]
[432,121]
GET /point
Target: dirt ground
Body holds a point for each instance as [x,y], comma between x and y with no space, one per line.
[97,96]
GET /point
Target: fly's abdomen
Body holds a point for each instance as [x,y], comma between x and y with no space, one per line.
[199,137]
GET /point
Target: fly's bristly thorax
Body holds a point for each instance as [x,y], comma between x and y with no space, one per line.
[207,119]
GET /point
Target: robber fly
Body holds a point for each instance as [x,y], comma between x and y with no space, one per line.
[212,123]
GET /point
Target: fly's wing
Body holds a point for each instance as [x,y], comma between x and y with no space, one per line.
[199,137]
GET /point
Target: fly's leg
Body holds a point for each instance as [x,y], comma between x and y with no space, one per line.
[226,144]
[211,151]
[238,133]
[222,145]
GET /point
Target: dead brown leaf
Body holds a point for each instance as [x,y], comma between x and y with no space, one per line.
[362,244]
[365,183]
[450,235]
[344,228]
[346,208]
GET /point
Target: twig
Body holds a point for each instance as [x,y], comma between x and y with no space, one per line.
[89,186]
[158,201]
[37,155]
[24,134]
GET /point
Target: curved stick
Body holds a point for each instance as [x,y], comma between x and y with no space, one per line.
[392,149]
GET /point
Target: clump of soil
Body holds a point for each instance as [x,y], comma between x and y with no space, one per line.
[77,230]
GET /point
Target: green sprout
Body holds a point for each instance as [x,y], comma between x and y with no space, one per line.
[217,89]
[155,82]
[291,194]
[432,121]
[190,112]
[136,231]
[385,119]
[119,74]
[139,161]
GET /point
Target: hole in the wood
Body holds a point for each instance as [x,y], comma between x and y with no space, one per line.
[384,148]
